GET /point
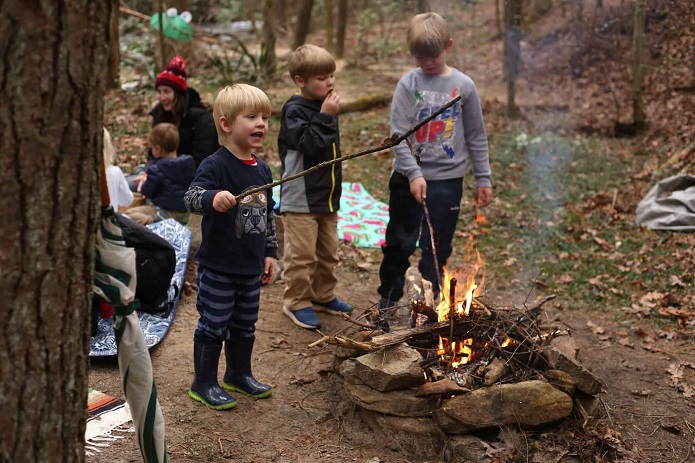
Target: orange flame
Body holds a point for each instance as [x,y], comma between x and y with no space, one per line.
[468,291]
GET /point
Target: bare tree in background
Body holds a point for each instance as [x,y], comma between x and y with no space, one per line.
[423,6]
[115,55]
[512,50]
[280,17]
[330,20]
[52,80]
[498,17]
[303,23]
[268,60]
[638,116]
[341,28]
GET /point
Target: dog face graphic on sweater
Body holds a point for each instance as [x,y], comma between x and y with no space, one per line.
[251,216]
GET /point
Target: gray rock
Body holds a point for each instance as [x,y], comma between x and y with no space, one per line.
[525,404]
[399,403]
[390,369]
[586,381]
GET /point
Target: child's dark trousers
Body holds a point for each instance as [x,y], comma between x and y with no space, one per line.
[407,223]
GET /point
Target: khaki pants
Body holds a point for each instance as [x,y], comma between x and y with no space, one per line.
[311,245]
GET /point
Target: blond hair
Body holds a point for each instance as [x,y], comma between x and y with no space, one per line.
[166,136]
[310,60]
[108,152]
[428,35]
[234,99]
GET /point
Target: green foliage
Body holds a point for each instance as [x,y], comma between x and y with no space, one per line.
[548,225]
[376,25]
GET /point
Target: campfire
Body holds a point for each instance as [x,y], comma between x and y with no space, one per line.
[453,368]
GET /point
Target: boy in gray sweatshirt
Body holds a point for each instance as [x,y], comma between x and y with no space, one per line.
[444,146]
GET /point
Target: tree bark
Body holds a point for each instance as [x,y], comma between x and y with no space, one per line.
[423,6]
[330,20]
[52,79]
[340,28]
[115,55]
[303,23]
[280,18]
[268,59]
[512,50]
[638,116]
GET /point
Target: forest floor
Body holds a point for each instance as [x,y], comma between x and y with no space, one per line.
[562,223]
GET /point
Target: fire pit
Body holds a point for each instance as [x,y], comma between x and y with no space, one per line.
[446,372]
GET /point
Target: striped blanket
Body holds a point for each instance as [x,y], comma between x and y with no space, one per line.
[106,415]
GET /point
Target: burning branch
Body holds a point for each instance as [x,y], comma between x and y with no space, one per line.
[390,142]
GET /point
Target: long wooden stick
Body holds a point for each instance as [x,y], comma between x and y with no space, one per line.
[394,140]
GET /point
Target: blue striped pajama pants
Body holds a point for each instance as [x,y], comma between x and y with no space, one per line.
[228,306]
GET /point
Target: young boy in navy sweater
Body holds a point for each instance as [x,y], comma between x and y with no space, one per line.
[238,249]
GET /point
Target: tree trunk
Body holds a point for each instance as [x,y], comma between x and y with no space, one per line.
[512,50]
[268,58]
[340,29]
[423,6]
[638,117]
[161,58]
[115,55]
[330,20]
[280,18]
[52,79]
[498,19]
[303,23]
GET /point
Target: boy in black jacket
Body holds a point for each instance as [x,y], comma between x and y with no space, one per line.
[308,136]
[238,249]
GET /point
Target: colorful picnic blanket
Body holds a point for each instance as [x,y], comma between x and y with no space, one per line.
[361,219]
[105,414]
[154,326]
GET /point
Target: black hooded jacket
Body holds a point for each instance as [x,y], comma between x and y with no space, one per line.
[309,137]
[197,132]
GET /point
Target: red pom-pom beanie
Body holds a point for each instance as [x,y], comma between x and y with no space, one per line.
[173,75]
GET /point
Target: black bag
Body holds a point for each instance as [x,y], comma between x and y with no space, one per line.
[155,260]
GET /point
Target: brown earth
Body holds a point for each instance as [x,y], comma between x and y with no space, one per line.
[647,411]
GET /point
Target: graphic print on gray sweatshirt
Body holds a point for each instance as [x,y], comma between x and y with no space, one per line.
[446,142]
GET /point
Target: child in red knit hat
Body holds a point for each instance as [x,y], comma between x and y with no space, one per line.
[180,105]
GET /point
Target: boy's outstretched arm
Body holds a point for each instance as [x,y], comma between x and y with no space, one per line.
[205,195]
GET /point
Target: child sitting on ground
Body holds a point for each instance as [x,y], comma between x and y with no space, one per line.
[238,249]
[166,180]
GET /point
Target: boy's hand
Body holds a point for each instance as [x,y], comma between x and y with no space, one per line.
[418,188]
[268,270]
[223,201]
[142,178]
[331,104]
[484,196]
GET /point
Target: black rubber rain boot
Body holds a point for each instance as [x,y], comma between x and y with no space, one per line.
[238,377]
[205,388]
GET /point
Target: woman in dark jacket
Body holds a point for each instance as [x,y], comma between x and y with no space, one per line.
[180,105]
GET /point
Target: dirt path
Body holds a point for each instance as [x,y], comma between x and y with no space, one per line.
[309,418]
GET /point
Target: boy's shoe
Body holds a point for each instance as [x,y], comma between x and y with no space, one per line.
[335,306]
[238,377]
[306,318]
[205,387]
